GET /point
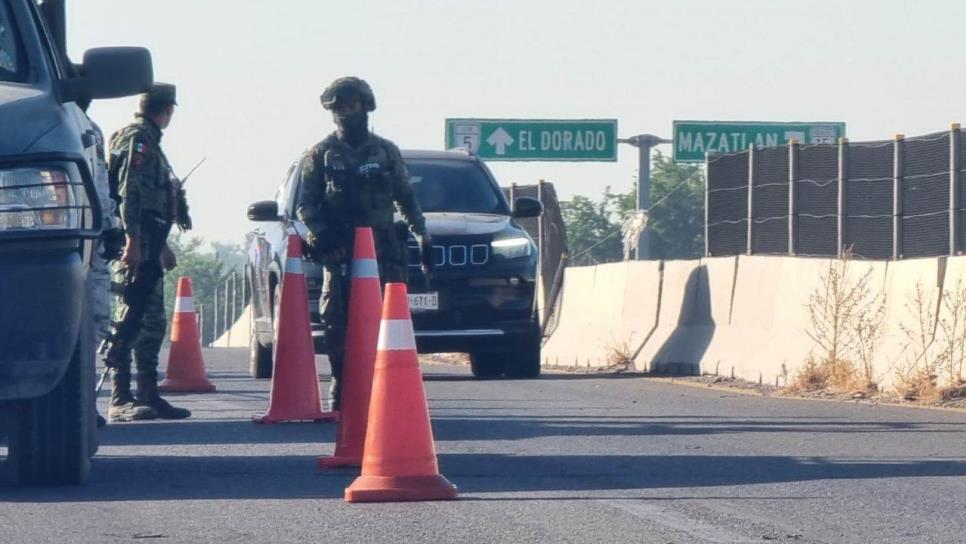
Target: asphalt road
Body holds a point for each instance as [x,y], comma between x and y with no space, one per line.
[567,458]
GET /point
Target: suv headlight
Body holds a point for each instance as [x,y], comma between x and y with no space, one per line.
[512,248]
[38,199]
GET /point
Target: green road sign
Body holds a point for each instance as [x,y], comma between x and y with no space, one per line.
[692,139]
[535,140]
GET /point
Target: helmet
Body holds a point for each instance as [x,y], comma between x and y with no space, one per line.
[346,87]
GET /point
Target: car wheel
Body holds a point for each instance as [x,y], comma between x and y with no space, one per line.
[50,436]
[487,365]
[524,361]
[260,357]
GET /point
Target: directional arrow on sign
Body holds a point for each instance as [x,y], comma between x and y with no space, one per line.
[500,139]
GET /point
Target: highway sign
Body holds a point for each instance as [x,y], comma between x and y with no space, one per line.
[692,139]
[535,139]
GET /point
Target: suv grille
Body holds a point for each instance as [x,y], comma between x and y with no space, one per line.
[453,255]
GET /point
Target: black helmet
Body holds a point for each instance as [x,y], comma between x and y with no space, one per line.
[346,87]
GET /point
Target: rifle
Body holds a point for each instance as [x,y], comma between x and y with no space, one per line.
[182,219]
[138,286]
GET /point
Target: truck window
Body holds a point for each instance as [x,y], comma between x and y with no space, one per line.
[12,66]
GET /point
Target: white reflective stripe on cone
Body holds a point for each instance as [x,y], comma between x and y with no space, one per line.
[184,304]
[365,268]
[396,335]
[293,265]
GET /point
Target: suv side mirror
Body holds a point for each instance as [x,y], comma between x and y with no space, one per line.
[525,206]
[110,72]
[264,210]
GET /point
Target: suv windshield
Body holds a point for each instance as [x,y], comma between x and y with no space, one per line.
[11,62]
[454,186]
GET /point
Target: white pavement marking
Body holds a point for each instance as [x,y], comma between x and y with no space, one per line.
[678,522]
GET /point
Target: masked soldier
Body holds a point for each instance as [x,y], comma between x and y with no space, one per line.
[354,178]
[151,200]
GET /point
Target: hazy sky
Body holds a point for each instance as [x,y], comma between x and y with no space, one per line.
[249,74]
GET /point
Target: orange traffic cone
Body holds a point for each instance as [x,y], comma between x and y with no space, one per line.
[399,463]
[186,368]
[365,305]
[295,381]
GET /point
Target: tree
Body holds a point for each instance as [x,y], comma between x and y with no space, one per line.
[593,228]
[208,271]
[676,223]
[675,220]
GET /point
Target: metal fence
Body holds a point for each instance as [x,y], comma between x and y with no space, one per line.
[880,200]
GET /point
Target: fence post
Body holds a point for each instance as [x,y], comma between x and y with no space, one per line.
[513,196]
[842,209]
[792,196]
[707,200]
[751,195]
[201,324]
[234,297]
[954,159]
[214,317]
[897,165]
[224,321]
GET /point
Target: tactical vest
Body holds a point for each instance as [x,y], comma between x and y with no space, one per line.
[358,183]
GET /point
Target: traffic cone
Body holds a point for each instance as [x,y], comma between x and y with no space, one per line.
[399,463]
[186,368]
[295,381]
[365,305]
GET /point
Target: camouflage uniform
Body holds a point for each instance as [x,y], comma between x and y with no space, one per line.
[346,186]
[149,197]
[99,279]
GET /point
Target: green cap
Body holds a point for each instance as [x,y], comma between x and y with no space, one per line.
[160,94]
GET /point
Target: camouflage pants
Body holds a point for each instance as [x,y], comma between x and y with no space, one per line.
[99,293]
[336,290]
[150,336]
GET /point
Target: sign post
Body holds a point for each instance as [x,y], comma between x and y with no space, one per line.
[693,139]
[535,139]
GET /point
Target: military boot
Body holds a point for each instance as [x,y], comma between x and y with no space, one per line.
[148,396]
[123,407]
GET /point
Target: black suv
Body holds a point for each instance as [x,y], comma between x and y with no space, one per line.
[49,219]
[481,297]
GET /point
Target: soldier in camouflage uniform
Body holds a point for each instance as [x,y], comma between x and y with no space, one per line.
[150,197]
[354,178]
[108,247]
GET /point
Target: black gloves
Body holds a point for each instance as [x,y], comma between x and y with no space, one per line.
[427,259]
[112,240]
[183,219]
[323,245]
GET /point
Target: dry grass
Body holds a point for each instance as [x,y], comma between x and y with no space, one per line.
[620,358]
[936,342]
[846,318]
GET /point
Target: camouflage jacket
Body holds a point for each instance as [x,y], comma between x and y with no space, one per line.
[143,176]
[345,187]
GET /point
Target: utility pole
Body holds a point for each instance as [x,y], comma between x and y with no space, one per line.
[644,143]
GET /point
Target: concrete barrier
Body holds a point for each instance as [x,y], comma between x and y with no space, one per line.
[238,335]
[896,348]
[641,306]
[745,316]
[567,346]
[674,344]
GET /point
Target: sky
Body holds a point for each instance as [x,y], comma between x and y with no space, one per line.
[249,74]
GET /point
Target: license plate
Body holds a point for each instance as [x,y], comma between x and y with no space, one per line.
[423,302]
